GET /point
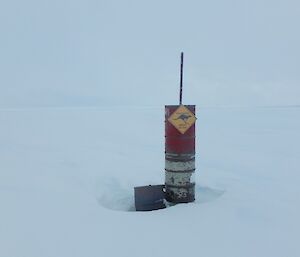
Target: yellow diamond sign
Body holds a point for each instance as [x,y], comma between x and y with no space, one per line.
[182,119]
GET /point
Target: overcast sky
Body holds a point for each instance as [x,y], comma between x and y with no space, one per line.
[95,52]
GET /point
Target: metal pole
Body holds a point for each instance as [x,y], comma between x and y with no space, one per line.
[180,153]
[181,78]
[180,150]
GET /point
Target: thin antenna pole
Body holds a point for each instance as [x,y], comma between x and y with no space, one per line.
[181,78]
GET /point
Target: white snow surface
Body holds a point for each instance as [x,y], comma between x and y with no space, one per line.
[67,177]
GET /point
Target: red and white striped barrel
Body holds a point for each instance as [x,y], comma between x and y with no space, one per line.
[180,153]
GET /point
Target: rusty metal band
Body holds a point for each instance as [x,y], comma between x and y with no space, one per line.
[180,157]
[180,171]
[179,160]
[191,185]
[188,199]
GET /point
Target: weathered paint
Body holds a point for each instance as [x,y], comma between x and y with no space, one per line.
[179,179]
[180,194]
[179,154]
[179,166]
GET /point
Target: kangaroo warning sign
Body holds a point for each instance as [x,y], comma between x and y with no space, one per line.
[182,119]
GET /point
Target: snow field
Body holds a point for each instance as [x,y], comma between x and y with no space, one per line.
[67,178]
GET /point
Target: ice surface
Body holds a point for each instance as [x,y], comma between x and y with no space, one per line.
[67,178]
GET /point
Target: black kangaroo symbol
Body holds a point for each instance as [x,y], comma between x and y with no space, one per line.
[184,117]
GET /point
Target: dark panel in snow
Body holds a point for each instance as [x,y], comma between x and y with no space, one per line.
[148,198]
